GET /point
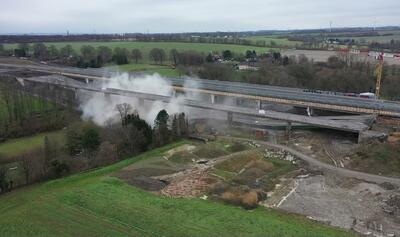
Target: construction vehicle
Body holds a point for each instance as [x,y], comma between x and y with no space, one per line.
[378,72]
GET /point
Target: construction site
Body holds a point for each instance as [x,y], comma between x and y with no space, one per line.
[328,157]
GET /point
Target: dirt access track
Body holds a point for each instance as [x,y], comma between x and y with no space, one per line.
[335,196]
[330,168]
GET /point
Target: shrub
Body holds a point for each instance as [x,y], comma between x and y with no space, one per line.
[242,196]
[249,200]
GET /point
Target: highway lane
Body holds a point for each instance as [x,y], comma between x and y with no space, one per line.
[349,126]
[286,95]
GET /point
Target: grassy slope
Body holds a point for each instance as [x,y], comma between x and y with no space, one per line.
[94,204]
[17,146]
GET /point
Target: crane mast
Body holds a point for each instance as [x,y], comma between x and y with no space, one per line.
[378,72]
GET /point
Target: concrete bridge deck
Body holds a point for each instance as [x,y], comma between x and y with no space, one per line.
[348,125]
[262,93]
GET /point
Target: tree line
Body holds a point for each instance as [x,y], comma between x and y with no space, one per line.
[22,114]
[89,56]
[341,73]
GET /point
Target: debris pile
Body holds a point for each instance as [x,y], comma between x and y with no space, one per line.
[281,155]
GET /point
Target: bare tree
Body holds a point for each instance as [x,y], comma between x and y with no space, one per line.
[136,55]
[26,163]
[174,55]
[31,164]
[158,55]
[123,109]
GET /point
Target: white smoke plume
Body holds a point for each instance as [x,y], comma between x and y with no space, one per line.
[102,109]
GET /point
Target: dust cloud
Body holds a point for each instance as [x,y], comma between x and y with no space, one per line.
[101,109]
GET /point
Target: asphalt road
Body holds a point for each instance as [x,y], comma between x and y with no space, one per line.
[342,125]
[294,94]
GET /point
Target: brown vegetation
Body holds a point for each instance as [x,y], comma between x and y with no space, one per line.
[241,196]
[378,158]
[237,162]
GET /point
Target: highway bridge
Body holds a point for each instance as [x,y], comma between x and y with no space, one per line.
[259,93]
[348,125]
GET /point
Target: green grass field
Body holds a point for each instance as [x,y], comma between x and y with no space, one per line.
[166,71]
[278,41]
[380,39]
[34,104]
[18,146]
[145,64]
[145,47]
[95,204]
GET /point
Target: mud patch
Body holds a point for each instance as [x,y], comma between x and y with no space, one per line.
[147,183]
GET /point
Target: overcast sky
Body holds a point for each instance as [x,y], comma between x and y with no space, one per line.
[119,16]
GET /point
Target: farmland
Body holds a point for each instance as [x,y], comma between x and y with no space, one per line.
[145,47]
[278,41]
[96,204]
[149,68]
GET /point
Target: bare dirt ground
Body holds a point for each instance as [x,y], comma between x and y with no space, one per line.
[329,148]
[209,171]
[368,208]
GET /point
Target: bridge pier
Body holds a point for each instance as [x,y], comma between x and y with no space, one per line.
[310,111]
[288,130]
[259,104]
[141,102]
[107,96]
[212,99]
[230,118]
[76,90]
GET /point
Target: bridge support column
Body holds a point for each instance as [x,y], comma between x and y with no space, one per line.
[141,102]
[107,96]
[310,112]
[212,99]
[288,130]
[259,104]
[173,93]
[230,118]
[76,91]
[237,101]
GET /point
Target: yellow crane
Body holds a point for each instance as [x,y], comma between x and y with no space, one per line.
[378,72]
